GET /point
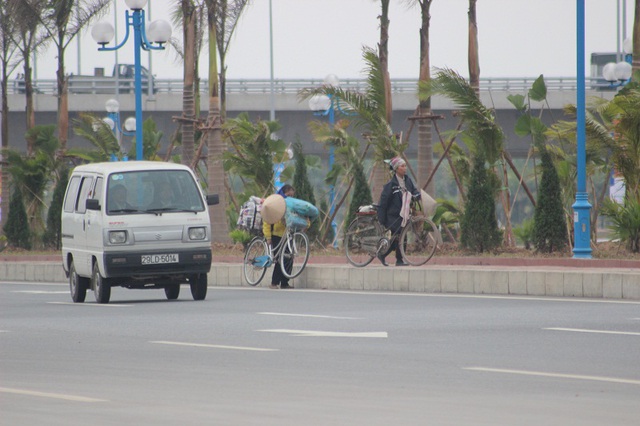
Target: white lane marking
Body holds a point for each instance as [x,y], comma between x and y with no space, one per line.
[582,330]
[74,398]
[556,375]
[4,331]
[306,315]
[452,295]
[202,345]
[39,292]
[98,305]
[36,283]
[315,333]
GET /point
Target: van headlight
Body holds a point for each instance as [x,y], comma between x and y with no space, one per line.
[117,237]
[199,233]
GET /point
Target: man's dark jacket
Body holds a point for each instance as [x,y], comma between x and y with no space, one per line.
[391,202]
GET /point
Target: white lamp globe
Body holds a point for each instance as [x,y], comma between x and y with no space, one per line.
[623,71]
[136,4]
[627,46]
[109,122]
[609,72]
[319,103]
[332,80]
[159,31]
[102,32]
[130,124]
[112,106]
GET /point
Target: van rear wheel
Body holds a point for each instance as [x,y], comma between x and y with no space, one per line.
[172,291]
[77,285]
[101,286]
[198,286]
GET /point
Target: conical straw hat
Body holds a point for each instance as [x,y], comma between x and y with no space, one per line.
[273,208]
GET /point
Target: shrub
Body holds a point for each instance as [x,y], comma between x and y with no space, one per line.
[625,221]
[52,236]
[549,229]
[17,227]
[479,226]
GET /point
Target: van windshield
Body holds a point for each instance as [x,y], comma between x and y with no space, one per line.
[153,191]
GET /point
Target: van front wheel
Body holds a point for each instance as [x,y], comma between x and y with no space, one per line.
[101,286]
[77,285]
[198,286]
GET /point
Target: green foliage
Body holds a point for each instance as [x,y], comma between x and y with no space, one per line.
[151,137]
[31,173]
[524,233]
[52,236]
[240,236]
[253,153]
[361,193]
[625,221]
[17,227]
[550,229]
[304,190]
[479,226]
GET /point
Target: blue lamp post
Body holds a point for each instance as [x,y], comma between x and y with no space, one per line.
[113,121]
[159,32]
[581,207]
[326,106]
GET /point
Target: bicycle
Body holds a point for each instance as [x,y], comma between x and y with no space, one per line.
[366,238]
[292,253]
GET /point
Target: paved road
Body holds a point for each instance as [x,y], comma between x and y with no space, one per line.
[303,357]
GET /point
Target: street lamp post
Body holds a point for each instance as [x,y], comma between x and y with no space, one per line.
[326,106]
[159,32]
[128,128]
[581,207]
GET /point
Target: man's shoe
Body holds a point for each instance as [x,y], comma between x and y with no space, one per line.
[401,263]
[286,286]
[381,259]
[273,286]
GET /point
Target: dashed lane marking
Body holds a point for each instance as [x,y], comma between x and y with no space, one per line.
[582,330]
[556,375]
[74,398]
[316,333]
[95,305]
[306,315]
[203,345]
[39,292]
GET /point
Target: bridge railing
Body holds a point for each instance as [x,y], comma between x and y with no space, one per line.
[293,86]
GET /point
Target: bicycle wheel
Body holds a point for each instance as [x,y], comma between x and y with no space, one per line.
[294,254]
[418,241]
[361,240]
[253,266]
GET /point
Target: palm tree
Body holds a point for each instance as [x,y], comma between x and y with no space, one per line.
[188,9]
[423,113]
[63,21]
[8,48]
[474,61]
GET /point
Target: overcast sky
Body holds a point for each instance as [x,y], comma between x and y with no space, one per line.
[312,38]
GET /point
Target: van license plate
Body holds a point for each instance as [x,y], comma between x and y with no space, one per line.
[155,259]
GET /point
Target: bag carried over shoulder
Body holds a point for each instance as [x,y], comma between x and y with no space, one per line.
[250,218]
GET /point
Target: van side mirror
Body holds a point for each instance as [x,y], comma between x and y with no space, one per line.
[92,204]
[213,199]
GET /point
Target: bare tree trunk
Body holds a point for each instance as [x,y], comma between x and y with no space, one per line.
[425,125]
[216,178]
[636,41]
[4,126]
[474,61]
[63,99]
[188,101]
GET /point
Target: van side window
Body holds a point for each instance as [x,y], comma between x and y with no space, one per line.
[97,192]
[72,194]
[85,193]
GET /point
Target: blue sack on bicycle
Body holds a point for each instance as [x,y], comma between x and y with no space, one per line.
[302,208]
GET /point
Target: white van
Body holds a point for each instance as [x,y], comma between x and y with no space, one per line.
[135,224]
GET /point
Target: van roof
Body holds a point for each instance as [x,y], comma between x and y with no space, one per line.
[127,166]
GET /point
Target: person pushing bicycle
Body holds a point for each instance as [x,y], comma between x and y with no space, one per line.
[394,206]
[273,234]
